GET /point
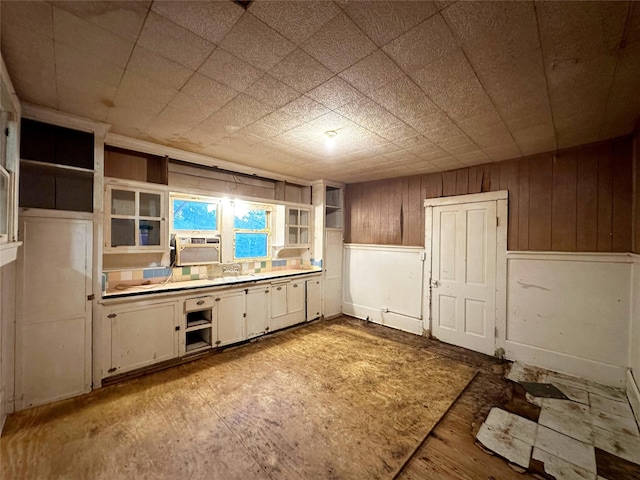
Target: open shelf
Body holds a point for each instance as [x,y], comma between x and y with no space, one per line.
[197,339]
[201,319]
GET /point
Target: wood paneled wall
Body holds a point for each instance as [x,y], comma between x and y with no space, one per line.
[578,199]
[636,192]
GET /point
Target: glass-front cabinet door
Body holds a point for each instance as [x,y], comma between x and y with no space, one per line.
[298,226]
[135,221]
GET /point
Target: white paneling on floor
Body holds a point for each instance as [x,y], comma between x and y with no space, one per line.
[569,312]
[384,284]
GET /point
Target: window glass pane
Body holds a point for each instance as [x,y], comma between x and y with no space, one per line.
[194,215]
[250,220]
[293,216]
[293,235]
[149,204]
[304,217]
[149,232]
[304,235]
[123,202]
[123,232]
[251,245]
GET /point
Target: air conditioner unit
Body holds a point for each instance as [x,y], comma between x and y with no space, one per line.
[197,250]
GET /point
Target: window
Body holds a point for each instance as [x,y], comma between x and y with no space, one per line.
[251,231]
[194,214]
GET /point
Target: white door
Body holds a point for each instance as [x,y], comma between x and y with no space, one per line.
[333,273]
[53,326]
[314,299]
[463,275]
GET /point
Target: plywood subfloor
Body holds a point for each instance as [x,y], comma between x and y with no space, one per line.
[333,400]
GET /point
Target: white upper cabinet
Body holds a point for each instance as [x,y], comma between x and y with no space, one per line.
[297,227]
[135,219]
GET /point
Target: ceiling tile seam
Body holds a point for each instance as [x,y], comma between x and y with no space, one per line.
[615,69]
[546,79]
[483,89]
[55,61]
[124,69]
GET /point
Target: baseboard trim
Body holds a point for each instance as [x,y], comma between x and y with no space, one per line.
[593,370]
[388,319]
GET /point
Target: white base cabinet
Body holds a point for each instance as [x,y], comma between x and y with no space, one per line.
[143,334]
[231,317]
[287,304]
[257,311]
[314,299]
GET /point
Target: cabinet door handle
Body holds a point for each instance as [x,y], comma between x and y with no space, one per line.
[279,288]
[295,285]
[177,328]
[200,302]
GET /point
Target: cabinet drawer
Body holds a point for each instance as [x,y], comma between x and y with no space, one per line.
[198,303]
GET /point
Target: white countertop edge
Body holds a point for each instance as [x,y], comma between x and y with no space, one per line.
[200,286]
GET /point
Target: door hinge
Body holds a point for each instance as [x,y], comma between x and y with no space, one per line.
[6,132]
[177,328]
[111,370]
[496,331]
[497,221]
[244,315]
[91,297]
[246,291]
[112,315]
[217,299]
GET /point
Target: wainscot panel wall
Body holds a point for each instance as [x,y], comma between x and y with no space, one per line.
[574,200]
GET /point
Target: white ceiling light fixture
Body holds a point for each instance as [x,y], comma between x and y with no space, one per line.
[331,139]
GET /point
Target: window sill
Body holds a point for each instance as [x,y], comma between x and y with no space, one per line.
[8,252]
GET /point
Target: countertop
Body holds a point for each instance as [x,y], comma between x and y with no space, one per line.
[227,280]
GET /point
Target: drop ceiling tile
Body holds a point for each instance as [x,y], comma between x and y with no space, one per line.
[82,35]
[272,92]
[370,115]
[29,57]
[571,30]
[86,104]
[415,141]
[301,71]
[339,44]
[280,121]
[422,44]
[34,16]
[372,72]
[166,131]
[259,129]
[383,21]
[238,113]
[185,110]
[207,92]
[124,19]
[140,93]
[405,100]
[501,152]
[432,122]
[129,120]
[536,139]
[494,32]
[304,109]
[72,62]
[256,43]
[158,68]
[230,70]
[486,130]
[85,86]
[210,20]
[295,20]
[335,93]
[174,42]
[399,133]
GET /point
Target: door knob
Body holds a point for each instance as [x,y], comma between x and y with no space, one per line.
[435,283]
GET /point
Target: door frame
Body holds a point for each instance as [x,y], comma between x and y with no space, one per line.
[501,198]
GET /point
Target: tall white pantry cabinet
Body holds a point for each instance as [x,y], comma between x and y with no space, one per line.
[328,203]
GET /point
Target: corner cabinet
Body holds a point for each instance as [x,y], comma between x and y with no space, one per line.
[135,218]
[143,333]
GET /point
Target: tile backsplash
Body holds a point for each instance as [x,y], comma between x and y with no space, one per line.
[198,272]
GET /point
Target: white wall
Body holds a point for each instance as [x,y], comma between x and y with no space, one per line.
[378,277]
[569,312]
[633,378]
[7,334]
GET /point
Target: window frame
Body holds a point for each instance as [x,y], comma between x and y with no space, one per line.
[268,209]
